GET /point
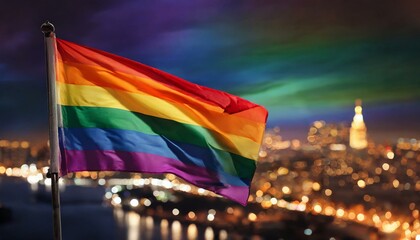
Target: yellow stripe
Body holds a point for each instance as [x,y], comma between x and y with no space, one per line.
[245,139]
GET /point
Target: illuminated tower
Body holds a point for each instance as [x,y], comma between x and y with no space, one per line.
[358,128]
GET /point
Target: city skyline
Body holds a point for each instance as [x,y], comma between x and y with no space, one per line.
[303,61]
[325,189]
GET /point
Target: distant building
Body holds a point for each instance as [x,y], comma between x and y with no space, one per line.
[324,134]
[13,153]
[358,129]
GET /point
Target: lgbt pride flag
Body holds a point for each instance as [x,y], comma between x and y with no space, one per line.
[120,115]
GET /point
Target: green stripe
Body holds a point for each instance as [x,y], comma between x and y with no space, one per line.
[96,117]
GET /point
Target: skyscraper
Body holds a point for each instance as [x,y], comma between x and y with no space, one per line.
[358,128]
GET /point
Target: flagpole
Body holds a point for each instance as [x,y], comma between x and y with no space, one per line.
[50,45]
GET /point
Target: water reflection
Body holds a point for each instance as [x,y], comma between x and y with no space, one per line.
[223,235]
[164,229]
[119,216]
[132,226]
[132,221]
[149,227]
[208,234]
[192,232]
[176,230]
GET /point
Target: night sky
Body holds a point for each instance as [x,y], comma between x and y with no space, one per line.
[302,60]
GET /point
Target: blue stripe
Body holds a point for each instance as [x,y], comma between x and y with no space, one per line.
[133,141]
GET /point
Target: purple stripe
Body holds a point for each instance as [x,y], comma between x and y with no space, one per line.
[96,160]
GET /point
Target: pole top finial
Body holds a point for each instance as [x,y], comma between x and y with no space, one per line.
[47,28]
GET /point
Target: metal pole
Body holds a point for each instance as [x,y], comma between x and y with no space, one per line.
[50,45]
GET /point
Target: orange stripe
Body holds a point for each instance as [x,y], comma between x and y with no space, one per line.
[98,76]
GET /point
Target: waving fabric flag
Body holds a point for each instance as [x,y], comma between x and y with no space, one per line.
[120,115]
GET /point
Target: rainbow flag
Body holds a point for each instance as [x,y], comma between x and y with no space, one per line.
[121,115]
